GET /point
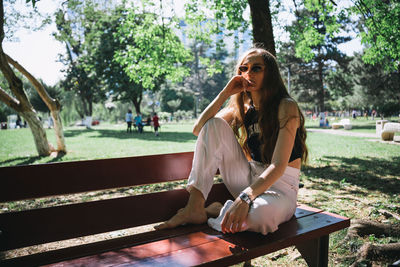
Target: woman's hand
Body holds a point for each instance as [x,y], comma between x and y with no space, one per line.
[238,84]
[235,217]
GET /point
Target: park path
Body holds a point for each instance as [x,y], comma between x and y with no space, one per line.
[342,132]
[373,137]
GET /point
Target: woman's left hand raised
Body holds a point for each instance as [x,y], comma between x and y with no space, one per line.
[235,217]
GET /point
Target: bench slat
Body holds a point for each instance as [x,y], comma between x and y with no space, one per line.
[76,220]
[99,174]
[209,247]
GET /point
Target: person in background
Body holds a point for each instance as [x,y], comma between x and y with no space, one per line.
[138,122]
[129,119]
[156,124]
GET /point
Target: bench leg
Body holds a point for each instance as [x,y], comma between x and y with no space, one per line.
[315,251]
[247,263]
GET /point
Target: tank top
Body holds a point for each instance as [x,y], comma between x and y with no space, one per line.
[253,133]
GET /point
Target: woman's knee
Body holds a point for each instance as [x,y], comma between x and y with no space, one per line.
[218,125]
[267,214]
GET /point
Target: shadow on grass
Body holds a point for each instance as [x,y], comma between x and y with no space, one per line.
[369,173]
[363,127]
[146,135]
[18,161]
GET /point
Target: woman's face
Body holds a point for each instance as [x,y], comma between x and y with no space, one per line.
[252,69]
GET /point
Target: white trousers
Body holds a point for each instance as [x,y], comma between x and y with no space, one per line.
[218,148]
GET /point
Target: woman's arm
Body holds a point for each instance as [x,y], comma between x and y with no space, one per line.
[290,120]
[234,86]
[289,117]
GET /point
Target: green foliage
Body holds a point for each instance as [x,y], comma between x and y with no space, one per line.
[316,36]
[389,108]
[76,25]
[37,102]
[154,52]
[379,31]
[208,20]
[318,25]
[215,16]
[115,82]
[375,87]
[5,111]
[339,81]
[181,94]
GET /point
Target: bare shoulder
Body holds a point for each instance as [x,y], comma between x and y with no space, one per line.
[288,110]
[288,107]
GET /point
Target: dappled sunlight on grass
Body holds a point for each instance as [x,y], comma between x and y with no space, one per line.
[369,173]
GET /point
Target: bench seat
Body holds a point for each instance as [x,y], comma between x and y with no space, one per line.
[194,245]
[189,245]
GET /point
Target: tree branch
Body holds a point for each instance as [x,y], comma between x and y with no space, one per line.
[9,100]
[52,103]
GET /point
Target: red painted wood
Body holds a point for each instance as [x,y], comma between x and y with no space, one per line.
[101,246]
[76,220]
[32,181]
[113,244]
[211,247]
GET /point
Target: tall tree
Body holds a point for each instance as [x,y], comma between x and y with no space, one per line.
[376,87]
[153,52]
[76,24]
[20,102]
[316,33]
[104,47]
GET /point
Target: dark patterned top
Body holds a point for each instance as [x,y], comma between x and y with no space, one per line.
[253,133]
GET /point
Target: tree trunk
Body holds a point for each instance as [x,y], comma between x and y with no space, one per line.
[38,132]
[321,93]
[21,104]
[53,104]
[262,24]
[136,104]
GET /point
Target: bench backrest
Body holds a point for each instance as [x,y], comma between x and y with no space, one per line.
[43,225]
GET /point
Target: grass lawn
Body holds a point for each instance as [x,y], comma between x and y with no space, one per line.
[103,141]
[347,175]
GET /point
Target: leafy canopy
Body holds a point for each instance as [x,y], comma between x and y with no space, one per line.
[153,52]
[380,31]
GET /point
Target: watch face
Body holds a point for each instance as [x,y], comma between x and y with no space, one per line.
[243,196]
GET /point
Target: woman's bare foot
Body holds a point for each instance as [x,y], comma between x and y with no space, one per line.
[214,209]
[183,216]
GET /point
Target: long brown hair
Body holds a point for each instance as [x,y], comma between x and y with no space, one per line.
[272,92]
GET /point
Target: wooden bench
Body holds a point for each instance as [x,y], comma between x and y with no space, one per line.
[188,245]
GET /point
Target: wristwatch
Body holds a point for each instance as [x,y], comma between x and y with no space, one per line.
[245,197]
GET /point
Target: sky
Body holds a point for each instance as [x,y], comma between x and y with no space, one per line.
[38,51]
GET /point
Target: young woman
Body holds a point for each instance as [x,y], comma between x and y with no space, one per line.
[258,144]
